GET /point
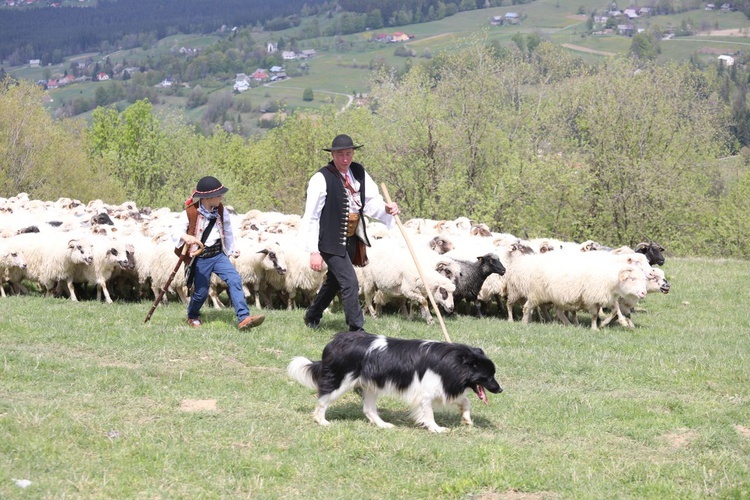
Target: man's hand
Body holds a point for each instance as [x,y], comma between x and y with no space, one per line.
[392,208]
[316,261]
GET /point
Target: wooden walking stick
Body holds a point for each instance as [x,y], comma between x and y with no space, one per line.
[184,257]
[419,267]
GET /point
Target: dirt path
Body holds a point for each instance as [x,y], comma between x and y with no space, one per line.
[586,49]
[741,32]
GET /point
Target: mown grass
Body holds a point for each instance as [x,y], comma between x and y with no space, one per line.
[92,405]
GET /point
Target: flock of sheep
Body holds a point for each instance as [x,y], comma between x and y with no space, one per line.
[68,248]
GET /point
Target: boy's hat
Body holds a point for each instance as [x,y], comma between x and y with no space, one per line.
[209,187]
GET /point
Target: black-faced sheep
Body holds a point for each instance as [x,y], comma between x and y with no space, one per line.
[473,275]
[652,251]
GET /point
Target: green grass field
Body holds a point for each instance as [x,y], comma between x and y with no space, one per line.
[96,404]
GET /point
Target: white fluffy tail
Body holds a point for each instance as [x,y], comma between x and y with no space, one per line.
[300,369]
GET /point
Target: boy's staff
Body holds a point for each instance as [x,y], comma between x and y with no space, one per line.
[185,257]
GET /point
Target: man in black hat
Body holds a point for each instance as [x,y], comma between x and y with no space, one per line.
[338,197]
[206,221]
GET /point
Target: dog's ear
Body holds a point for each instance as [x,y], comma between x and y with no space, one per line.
[470,360]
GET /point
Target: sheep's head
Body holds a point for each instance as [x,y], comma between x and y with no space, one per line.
[274,259]
[81,251]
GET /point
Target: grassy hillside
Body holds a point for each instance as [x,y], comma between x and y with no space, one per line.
[96,404]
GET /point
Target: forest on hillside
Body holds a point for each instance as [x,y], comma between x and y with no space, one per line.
[533,143]
[50,34]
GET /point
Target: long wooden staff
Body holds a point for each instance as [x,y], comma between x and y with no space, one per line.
[184,257]
[419,267]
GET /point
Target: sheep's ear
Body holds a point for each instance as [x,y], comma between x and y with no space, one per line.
[624,275]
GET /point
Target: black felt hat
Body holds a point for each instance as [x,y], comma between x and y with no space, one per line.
[342,141]
[209,187]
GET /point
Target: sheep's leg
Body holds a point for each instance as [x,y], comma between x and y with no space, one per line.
[594,311]
[543,311]
[528,308]
[479,308]
[182,294]
[574,317]
[213,294]
[426,311]
[101,288]
[368,293]
[612,314]
[71,289]
[499,300]
[402,308]
[256,293]
[621,318]
[290,299]
[560,314]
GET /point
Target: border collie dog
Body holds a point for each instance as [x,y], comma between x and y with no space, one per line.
[421,372]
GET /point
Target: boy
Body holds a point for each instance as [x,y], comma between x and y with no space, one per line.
[205,220]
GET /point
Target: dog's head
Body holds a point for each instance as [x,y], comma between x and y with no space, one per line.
[480,373]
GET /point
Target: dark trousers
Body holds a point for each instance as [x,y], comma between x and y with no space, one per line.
[340,277]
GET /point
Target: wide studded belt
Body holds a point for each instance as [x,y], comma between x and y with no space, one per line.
[211,251]
[351,224]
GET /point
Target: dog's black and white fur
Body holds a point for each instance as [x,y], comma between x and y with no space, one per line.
[421,372]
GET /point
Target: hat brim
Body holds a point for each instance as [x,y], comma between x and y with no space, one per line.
[210,194]
[339,148]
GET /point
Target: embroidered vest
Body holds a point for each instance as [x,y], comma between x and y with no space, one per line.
[335,214]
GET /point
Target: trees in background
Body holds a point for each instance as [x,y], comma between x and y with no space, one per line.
[530,142]
[43,157]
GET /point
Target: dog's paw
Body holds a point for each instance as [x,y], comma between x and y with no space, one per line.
[437,429]
[386,425]
[321,419]
[466,420]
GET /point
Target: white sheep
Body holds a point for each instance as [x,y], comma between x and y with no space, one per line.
[570,282]
[109,253]
[254,262]
[299,278]
[52,258]
[657,282]
[12,261]
[160,265]
[494,287]
[394,275]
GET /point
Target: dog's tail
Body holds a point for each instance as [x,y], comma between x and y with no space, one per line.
[304,371]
